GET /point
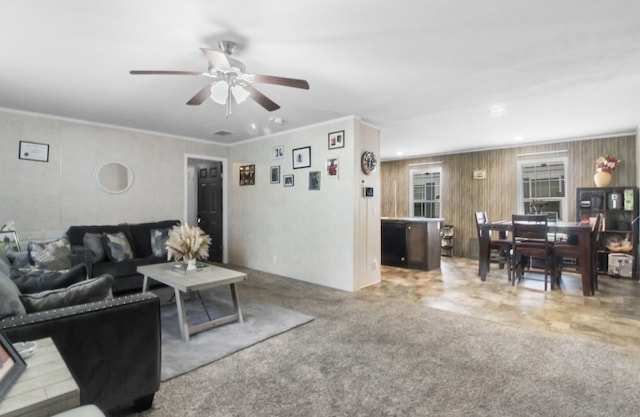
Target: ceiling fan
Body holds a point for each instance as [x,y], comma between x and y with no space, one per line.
[229,79]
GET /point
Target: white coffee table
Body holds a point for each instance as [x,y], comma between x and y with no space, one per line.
[191,282]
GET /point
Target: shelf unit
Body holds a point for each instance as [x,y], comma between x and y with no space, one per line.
[446,240]
[619,206]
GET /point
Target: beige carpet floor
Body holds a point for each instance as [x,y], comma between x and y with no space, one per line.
[369,355]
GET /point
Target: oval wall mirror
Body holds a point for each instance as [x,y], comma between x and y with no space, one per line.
[114,177]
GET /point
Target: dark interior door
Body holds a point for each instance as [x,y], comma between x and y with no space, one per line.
[210,206]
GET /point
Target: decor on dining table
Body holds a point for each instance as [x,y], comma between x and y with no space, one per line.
[188,243]
[536,206]
[605,165]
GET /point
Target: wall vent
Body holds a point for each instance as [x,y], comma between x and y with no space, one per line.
[222,133]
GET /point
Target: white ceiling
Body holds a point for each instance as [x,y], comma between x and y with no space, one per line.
[425,72]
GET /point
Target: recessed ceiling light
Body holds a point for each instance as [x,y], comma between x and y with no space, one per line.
[399,153]
[496,110]
[276,120]
[518,138]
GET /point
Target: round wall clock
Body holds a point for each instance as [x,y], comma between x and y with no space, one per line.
[368,162]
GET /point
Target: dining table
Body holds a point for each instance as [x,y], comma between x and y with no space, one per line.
[582,230]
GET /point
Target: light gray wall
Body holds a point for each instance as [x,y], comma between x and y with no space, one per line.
[44,199]
[329,237]
[293,231]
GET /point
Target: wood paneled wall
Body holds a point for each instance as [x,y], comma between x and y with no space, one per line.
[462,196]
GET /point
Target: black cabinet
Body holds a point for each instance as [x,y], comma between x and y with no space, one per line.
[619,239]
[412,243]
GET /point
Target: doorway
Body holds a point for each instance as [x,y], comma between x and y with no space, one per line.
[205,202]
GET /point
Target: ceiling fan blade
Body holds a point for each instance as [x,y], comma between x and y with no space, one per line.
[261,99]
[218,59]
[200,96]
[164,73]
[288,82]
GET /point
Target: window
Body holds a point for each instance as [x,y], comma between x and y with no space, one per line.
[543,180]
[424,192]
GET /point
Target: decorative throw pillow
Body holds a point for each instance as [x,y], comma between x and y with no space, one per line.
[93,242]
[87,291]
[54,255]
[19,259]
[117,247]
[159,241]
[31,279]
[10,295]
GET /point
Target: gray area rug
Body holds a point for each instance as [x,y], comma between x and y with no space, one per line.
[261,321]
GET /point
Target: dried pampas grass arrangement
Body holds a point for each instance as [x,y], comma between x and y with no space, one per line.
[187,242]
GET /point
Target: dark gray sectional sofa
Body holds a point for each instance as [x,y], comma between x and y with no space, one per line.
[138,236]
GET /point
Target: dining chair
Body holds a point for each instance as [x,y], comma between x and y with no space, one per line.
[552,217]
[567,249]
[531,240]
[499,249]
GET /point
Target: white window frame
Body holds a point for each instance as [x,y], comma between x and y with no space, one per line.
[563,200]
[411,196]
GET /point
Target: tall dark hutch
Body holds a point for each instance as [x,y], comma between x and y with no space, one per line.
[618,245]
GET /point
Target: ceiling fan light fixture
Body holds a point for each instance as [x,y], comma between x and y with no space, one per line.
[220,92]
[239,93]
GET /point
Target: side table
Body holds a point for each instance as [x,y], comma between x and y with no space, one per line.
[45,388]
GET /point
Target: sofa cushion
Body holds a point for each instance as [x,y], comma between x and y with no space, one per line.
[142,237]
[87,291]
[93,242]
[10,296]
[19,259]
[120,269]
[117,247]
[31,279]
[76,233]
[54,255]
[159,242]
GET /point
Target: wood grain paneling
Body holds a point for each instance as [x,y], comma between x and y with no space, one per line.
[462,196]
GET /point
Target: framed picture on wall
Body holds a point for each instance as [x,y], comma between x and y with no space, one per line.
[333,167]
[302,157]
[288,180]
[336,139]
[247,175]
[314,180]
[32,151]
[275,174]
[278,152]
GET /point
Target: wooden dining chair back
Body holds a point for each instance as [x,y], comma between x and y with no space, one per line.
[531,240]
[570,250]
[499,249]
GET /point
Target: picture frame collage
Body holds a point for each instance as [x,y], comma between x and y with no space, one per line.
[300,159]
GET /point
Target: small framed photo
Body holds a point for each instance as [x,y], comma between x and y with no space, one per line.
[278,152]
[32,151]
[9,241]
[336,140]
[302,157]
[314,180]
[275,174]
[247,175]
[11,365]
[288,180]
[333,167]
